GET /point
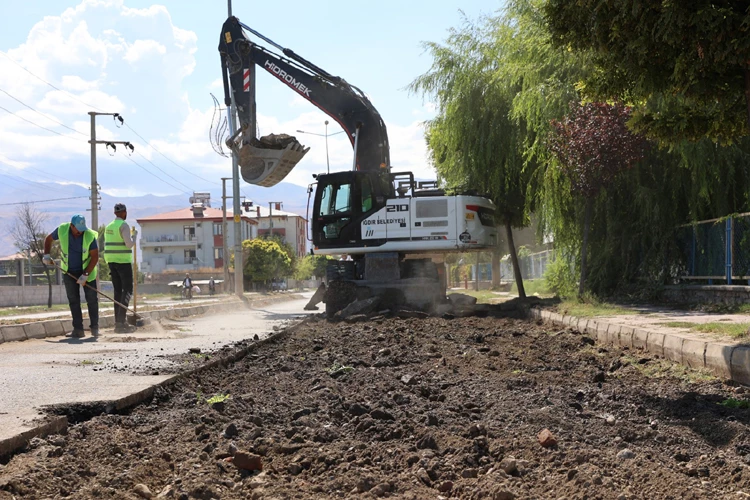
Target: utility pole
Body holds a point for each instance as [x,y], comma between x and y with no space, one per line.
[94,184]
[270,214]
[232,119]
[224,228]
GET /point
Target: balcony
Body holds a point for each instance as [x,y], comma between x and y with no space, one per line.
[166,240]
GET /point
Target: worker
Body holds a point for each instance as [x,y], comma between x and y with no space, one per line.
[80,254]
[211,286]
[118,253]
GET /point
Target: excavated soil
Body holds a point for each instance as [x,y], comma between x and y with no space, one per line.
[415,408]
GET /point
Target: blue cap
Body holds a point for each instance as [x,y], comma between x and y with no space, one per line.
[79,221]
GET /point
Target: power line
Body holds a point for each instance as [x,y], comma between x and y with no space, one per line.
[42,201]
[35,124]
[48,83]
[151,173]
[163,172]
[42,114]
[98,109]
[168,159]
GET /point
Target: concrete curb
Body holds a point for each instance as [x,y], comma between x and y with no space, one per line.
[58,424]
[58,327]
[725,360]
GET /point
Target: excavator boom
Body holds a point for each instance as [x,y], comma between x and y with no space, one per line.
[344,103]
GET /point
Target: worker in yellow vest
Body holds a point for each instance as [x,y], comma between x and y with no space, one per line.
[80,254]
[118,253]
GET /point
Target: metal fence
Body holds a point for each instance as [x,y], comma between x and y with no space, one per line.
[22,273]
[533,267]
[717,249]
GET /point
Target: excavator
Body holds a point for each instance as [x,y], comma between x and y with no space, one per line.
[392,229]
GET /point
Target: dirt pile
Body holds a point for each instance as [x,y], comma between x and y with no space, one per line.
[411,408]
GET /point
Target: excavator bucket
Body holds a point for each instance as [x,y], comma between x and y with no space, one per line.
[266,161]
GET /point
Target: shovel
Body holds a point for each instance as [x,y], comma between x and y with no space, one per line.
[135,319]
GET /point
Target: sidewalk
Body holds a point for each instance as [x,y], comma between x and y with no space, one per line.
[107,306]
[52,324]
[669,333]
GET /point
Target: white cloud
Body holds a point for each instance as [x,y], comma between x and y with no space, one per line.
[76,83]
[141,49]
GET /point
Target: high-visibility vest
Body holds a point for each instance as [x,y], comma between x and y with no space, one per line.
[115,251]
[89,235]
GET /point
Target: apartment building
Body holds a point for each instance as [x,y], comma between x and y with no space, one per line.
[189,238]
[290,227]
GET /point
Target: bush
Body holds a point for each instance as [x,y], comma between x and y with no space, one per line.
[560,278]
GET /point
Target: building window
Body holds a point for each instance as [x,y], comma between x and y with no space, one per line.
[218,253]
[218,228]
[189,256]
[189,232]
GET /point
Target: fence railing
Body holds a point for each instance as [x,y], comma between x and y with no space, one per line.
[717,249]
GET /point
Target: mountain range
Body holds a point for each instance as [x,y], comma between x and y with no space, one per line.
[74,199]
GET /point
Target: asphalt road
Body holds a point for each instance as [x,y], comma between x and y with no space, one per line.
[58,370]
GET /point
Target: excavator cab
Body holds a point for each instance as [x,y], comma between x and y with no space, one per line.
[342,201]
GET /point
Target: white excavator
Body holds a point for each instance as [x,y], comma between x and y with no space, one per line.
[393,229]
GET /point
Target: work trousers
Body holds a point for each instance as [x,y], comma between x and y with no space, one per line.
[122,281]
[73,291]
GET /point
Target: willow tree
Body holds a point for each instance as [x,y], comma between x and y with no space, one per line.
[473,142]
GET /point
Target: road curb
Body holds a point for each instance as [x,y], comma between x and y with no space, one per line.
[725,360]
[57,424]
[59,327]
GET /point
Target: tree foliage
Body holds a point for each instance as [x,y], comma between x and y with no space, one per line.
[685,65]
[312,266]
[29,233]
[265,260]
[593,145]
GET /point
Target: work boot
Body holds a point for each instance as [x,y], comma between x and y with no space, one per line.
[95,331]
[76,334]
[124,328]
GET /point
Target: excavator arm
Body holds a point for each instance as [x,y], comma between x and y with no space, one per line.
[344,103]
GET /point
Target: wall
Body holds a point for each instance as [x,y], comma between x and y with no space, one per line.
[708,294]
[12,296]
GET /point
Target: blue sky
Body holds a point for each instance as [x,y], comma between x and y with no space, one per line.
[157,63]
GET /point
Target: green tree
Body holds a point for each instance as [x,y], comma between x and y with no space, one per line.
[312,265]
[593,145]
[291,253]
[684,65]
[474,141]
[265,260]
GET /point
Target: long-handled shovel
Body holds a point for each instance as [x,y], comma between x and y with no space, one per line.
[138,320]
[133,320]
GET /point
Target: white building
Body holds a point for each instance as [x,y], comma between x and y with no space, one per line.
[189,238]
[290,227]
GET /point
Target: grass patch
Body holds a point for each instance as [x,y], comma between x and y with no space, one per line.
[662,368]
[218,398]
[90,362]
[592,309]
[533,287]
[734,330]
[15,311]
[482,296]
[736,403]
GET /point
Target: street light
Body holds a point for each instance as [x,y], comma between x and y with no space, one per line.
[326,135]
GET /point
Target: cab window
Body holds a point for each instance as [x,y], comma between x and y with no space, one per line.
[366,195]
[335,199]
